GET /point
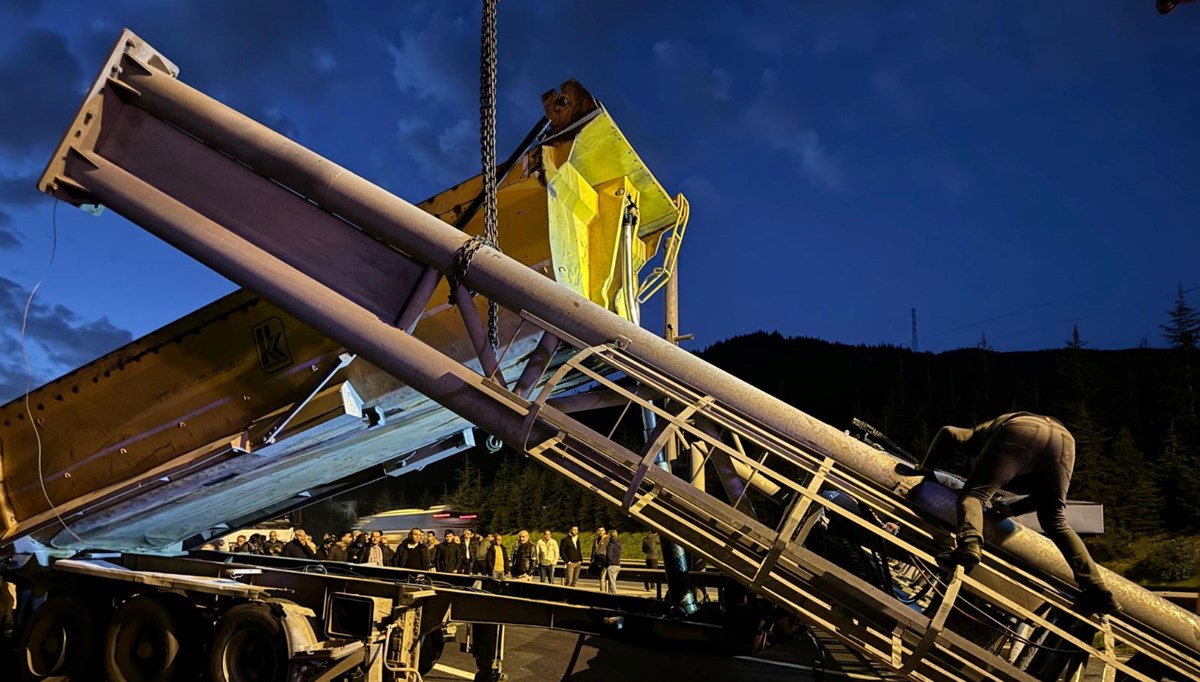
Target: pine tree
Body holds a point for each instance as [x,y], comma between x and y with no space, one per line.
[1183,331]
[983,343]
[468,493]
[557,501]
[1132,500]
[504,497]
[385,502]
[1075,342]
[530,503]
[1093,465]
[1179,385]
[425,499]
[1179,478]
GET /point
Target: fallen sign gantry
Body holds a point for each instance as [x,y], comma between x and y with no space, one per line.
[1020,596]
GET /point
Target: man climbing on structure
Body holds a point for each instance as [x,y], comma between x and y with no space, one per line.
[1039,453]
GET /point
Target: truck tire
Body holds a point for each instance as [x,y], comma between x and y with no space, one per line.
[154,637]
[59,642]
[250,645]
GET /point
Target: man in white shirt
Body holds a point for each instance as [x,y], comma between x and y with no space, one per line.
[547,557]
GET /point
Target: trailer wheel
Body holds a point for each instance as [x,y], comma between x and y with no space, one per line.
[250,645]
[153,637]
[59,641]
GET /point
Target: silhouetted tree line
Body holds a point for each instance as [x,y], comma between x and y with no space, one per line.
[1133,414]
[525,495]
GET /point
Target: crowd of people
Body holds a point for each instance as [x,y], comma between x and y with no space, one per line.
[470,553]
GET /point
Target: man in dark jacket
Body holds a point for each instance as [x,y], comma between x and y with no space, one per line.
[448,555]
[496,560]
[241,545]
[301,547]
[612,563]
[412,553]
[358,545]
[1037,455]
[340,550]
[571,552]
[596,561]
[524,559]
[327,544]
[472,546]
[273,545]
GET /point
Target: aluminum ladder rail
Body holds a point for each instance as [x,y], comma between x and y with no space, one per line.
[181,155]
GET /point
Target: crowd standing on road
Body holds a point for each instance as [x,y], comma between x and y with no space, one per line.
[472,553]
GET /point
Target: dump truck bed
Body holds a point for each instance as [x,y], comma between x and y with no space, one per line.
[240,407]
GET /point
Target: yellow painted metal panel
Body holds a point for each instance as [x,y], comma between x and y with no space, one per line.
[572,209]
[601,153]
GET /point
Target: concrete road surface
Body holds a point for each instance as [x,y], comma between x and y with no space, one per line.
[543,655]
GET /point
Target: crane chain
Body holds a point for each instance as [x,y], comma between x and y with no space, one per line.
[487,142]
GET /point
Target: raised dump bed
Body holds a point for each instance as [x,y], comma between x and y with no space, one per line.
[240,406]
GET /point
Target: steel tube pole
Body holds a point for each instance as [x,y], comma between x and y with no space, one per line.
[676,563]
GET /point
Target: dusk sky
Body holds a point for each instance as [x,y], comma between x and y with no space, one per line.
[1008,168]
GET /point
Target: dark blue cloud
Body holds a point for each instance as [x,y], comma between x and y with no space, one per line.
[20,189]
[42,84]
[8,238]
[20,8]
[63,337]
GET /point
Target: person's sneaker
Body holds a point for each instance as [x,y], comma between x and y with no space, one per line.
[967,554]
[1098,601]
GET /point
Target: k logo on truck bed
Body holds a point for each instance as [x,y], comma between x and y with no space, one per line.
[271,342]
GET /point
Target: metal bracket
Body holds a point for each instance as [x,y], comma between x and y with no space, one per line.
[663,432]
[1109,673]
[343,360]
[936,625]
[790,525]
[477,331]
